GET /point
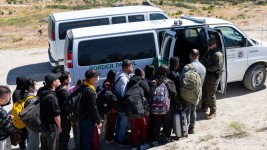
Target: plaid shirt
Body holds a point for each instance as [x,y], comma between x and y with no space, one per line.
[6,126]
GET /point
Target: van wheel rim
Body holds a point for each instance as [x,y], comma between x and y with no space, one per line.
[257,78]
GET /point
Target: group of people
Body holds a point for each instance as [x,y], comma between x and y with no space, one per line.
[146,122]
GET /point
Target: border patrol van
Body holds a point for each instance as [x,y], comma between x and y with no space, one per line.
[59,23]
[246,56]
[104,47]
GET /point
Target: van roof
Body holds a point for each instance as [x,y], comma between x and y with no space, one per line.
[103,12]
[205,20]
[138,26]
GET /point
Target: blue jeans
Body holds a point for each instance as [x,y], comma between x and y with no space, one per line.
[86,134]
[33,140]
[191,114]
[121,127]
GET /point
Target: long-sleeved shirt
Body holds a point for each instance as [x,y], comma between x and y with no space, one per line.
[6,126]
[120,86]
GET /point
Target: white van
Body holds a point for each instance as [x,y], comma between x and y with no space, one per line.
[59,23]
[246,57]
[106,46]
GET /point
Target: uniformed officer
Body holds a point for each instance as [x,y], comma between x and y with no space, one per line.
[213,61]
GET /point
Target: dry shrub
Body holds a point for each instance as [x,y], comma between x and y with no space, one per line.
[16,38]
[237,130]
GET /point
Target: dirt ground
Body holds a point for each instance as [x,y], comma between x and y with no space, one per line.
[241,122]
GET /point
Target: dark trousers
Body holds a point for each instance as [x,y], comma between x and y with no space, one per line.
[64,136]
[110,125]
[162,120]
[49,140]
[139,126]
[87,128]
[24,135]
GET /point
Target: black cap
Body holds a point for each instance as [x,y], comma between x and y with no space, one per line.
[92,73]
[51,77]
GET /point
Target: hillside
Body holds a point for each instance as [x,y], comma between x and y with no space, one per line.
[23,25]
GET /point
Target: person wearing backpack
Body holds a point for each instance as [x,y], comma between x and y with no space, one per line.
[162,104]
[136,97]
[123,77]
[63,93]
[174,76]
[89,116]
[49,113]
[111,113]
[213,61]
[16,96]
[28,91]
[191,107]
[6,127]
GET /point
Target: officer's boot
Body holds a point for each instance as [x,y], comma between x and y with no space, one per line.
[202,109]
[212,114]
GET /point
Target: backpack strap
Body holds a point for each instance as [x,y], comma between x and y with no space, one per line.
[117,81]
[191,67]
[26,100]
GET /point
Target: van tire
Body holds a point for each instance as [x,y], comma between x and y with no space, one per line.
[255,77]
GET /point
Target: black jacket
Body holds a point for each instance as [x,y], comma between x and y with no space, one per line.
[88,106]
[16,96]
[62,95]
[48,108]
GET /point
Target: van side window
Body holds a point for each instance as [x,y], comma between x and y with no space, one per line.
[63,27]
[136,18]
[232,37]
[115,49]
[157,16]
[116,20]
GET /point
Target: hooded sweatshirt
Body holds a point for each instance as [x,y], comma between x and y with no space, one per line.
[48,108]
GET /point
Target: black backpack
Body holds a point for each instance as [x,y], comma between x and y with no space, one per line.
[135,101]
[72,105]
[30,115]
[111,99]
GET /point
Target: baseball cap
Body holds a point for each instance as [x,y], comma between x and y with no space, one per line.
[92,73]
[212,41]
[51,77]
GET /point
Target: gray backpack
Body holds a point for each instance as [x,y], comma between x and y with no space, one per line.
[190,86]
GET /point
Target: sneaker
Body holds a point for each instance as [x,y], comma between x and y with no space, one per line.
[125,143]
[109,141]
[144,146]
[211,116]
[134,148]
[155,143]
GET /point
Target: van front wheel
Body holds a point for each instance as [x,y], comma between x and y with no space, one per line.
[255,77]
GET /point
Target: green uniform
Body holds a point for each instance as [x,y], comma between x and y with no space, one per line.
[213,61]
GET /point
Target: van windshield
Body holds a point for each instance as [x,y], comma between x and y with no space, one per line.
[63,27]
[115,49]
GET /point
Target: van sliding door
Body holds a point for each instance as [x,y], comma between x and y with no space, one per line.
[212,33]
